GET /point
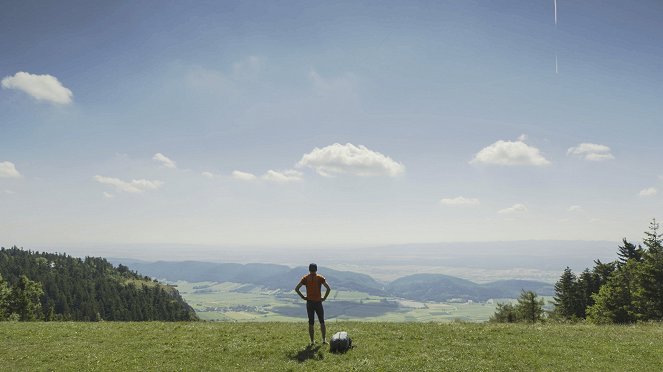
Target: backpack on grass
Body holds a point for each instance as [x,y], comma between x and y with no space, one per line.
[340,342]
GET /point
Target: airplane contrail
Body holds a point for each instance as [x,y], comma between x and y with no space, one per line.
[556,64]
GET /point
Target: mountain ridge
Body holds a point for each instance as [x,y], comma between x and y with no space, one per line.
[420,287]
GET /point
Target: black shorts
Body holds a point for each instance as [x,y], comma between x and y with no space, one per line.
[315,306]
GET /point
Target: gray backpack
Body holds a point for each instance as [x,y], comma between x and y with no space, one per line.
[340,342]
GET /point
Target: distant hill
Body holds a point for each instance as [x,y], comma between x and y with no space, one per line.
[89,289]
[197,271]
[266,275]
[420,287]
[438,287]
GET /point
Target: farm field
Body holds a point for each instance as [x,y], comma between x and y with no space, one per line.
[282,346]
[241,302]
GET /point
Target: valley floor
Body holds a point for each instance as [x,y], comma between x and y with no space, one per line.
[202,346]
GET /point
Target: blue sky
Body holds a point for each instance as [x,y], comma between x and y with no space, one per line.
[328,123]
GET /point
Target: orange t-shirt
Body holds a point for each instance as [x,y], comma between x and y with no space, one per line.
[313,282]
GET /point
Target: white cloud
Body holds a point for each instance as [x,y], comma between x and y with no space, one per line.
[650,191]
[108,195]
[357,160]
[243,176]
[8,170]
[522,138]
[135,186]
[209,175]
[510,153]
[165,161]
[460,201]
[516,208]
[289,175]
[591,152]
[40,87]
[575,208]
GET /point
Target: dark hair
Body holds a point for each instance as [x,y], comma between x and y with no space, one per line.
[313,267]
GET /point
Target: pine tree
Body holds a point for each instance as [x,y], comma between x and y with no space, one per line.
[614,301]
[628,251]
[505,313]
[567,296]
[653,239]
[588,285]
[530,307]
[25,299]
[5,297]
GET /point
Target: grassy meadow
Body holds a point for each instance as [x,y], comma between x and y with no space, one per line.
[282,346]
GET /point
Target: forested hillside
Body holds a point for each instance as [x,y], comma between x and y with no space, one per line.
[48,286]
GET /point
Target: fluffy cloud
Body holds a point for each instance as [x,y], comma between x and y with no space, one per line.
[460,201]
[591,152]
[135,186]
[510,153]
[209,175]
[165,161]
[650,191]
[283,176]
[575,208]
[350,159]
[40,87]
[515,209]
[8,170]
[243,176]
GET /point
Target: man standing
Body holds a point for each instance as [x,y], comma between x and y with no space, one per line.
[314,300]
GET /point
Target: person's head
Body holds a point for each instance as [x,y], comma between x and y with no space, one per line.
[312,267]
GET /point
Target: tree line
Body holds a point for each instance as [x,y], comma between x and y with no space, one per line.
[626,290]
[51,286]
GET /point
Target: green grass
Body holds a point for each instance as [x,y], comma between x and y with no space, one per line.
[202,346]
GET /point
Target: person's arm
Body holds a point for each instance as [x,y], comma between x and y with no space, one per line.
[326,291]
[298,292]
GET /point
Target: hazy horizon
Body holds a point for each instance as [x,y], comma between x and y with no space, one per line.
[477,261]
[328,124]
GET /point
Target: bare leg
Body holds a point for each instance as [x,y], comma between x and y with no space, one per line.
[311,332]
[323,329]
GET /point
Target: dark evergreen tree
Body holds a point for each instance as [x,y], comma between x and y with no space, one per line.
[25,299]
[614,301]
[603,271]
[567,299]
[5,297]
[530,307]
[628,251]
[505,313]
[588,285]
[653,239]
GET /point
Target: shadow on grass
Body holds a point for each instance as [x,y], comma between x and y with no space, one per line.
[310,352]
